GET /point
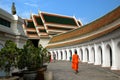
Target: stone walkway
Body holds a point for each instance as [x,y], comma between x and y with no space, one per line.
[62,71]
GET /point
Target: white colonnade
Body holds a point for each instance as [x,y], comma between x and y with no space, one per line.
[106,53]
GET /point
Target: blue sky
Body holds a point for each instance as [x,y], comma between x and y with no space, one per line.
[85,10]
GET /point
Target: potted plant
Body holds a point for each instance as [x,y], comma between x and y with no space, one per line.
[44,58]
[44,55]
[29,60]
[8,57]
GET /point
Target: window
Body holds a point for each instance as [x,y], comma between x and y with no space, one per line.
[4,22]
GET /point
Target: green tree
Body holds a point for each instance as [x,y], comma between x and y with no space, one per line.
[43,53]
[29,57]
[32,57]
[8,56]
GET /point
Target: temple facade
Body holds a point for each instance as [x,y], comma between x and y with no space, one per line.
[42,26]
[11,29]
[97,43]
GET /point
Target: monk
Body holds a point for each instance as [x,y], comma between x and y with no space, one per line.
[75,61]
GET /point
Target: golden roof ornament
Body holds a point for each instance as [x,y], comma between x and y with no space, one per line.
[13,9]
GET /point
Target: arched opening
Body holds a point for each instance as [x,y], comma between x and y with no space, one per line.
[87,54]
[118,45]
[53,55]
[75,50]
[93,54]
[35,42]
[109,52]
[66,55]
[118,53]
[57,54]
[61,55]
[100,54]
[70,53]
[81,51]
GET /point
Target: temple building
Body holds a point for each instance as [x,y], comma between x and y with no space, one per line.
[11,29]
[42,26]
[97,43]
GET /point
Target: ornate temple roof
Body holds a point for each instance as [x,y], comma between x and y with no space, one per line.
[87,32]
[44,25]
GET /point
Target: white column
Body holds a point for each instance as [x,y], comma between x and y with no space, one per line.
[78,52]
[115,53]
[73,51]
[51,52]
[55,54]
[84,55]
[81,54]
[104,56]
[63,52]
[68,54]
[90,55]
[97,55]
[118,53]
[59,55]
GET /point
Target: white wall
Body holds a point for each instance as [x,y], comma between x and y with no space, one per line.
[44,41]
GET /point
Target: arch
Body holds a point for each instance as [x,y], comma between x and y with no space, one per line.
[70,52]
[93,54]
[87,54]
[81,54]
[75,50]
[52,54]
[109,54]
[100,54]
[118,54]
[57,54]
[65,54]
[61,55]
[118,45]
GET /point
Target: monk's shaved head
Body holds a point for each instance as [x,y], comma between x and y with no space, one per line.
[75,51]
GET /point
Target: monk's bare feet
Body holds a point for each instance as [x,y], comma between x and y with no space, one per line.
[76,72]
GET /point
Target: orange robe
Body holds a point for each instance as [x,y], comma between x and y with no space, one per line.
[75,61]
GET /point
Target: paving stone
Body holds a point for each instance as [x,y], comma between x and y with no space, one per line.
[62,71]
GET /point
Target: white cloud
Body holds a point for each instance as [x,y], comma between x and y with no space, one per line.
[32,5]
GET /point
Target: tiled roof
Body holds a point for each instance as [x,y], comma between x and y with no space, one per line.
[59,19]
[38,20]
[30,29]
[65,39]
[47,24]
[30,24]
[78,41]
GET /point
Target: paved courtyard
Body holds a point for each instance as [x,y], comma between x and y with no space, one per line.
[62,71]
